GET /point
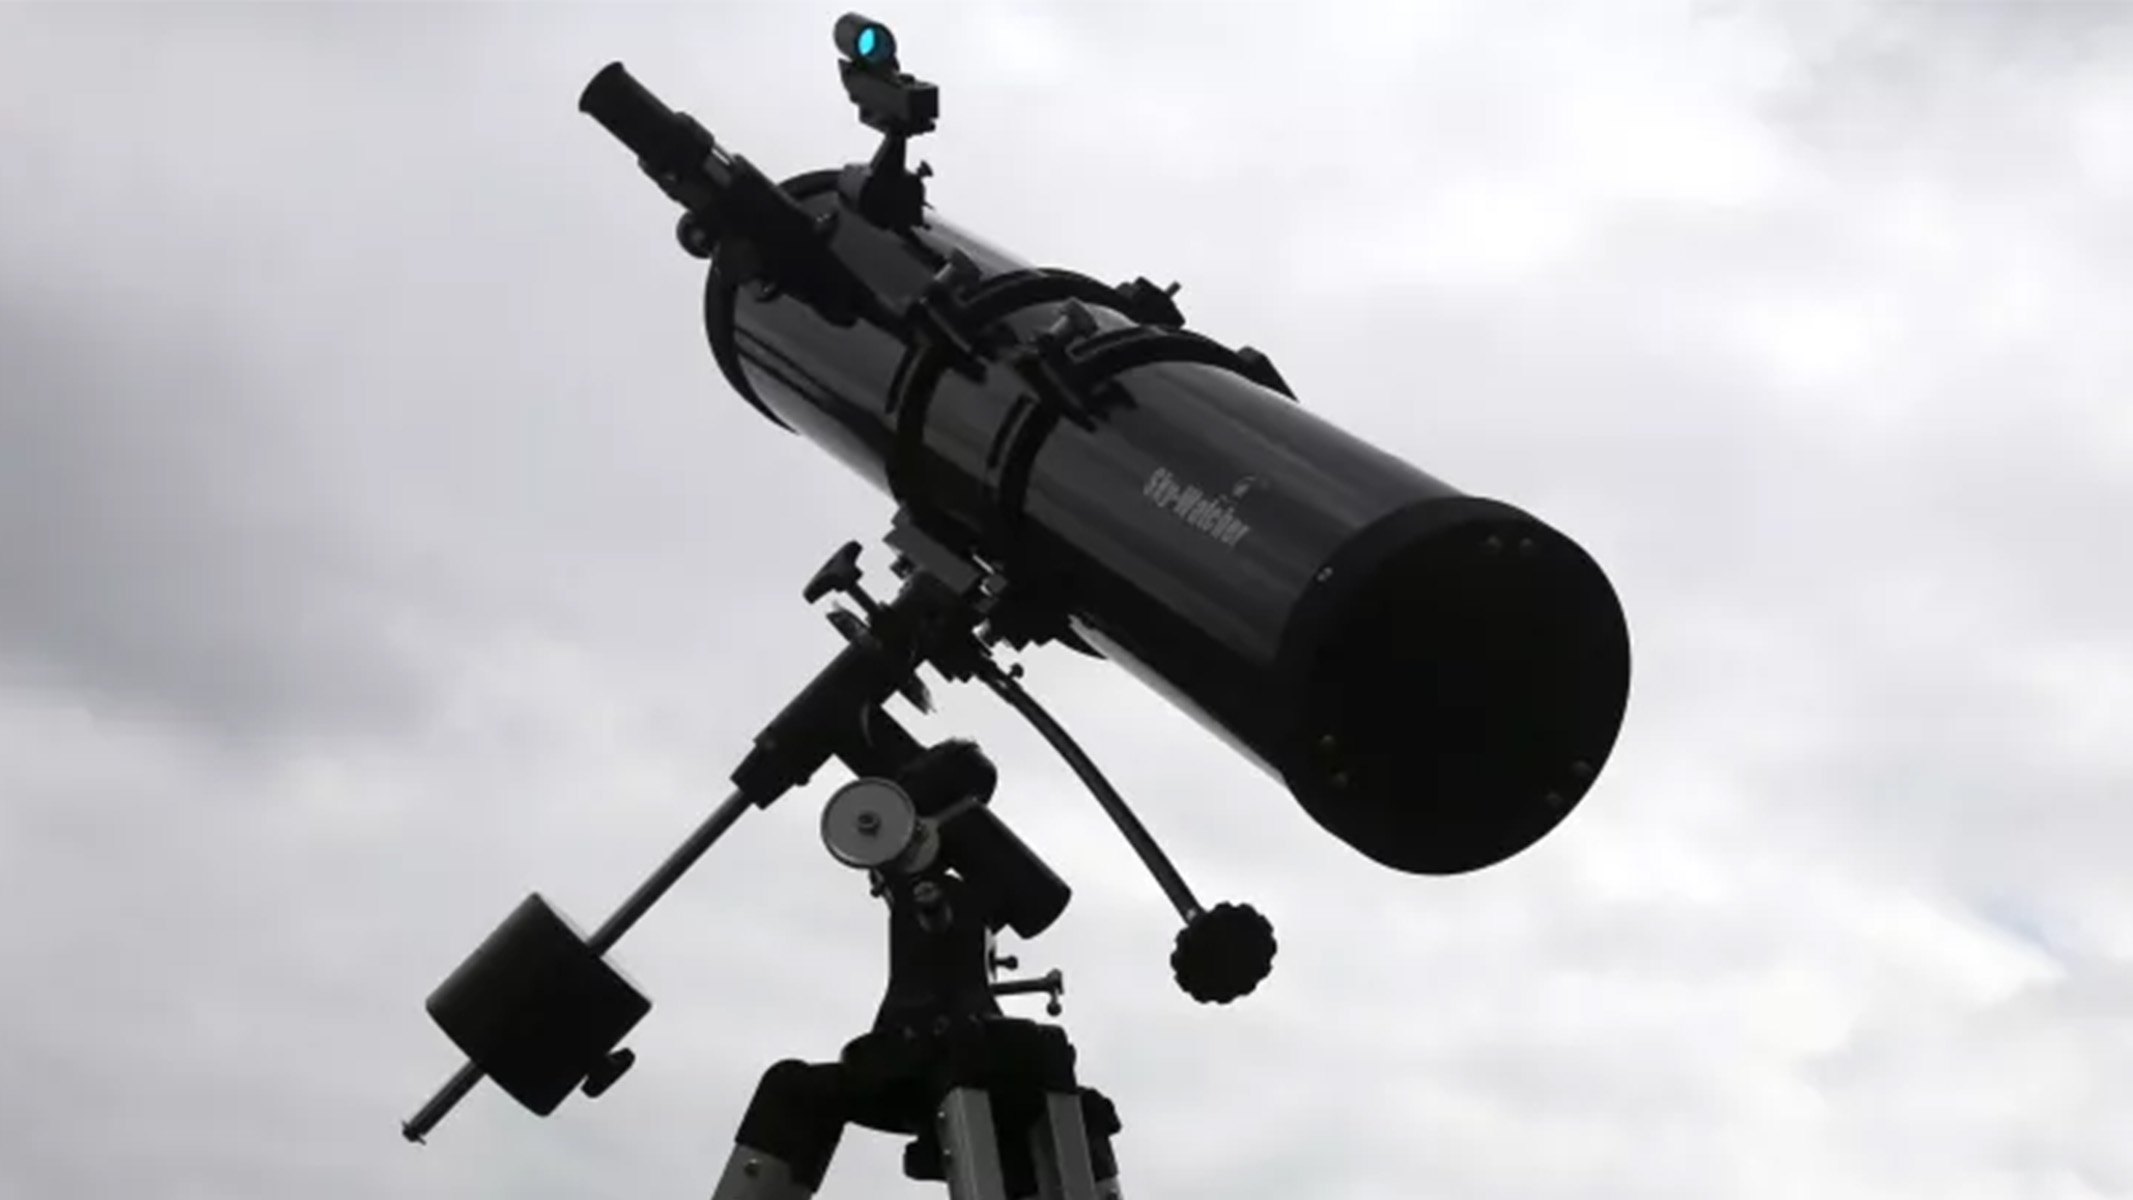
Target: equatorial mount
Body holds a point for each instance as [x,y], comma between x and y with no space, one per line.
[538,1008]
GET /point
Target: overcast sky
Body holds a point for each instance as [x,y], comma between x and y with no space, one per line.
[378,544]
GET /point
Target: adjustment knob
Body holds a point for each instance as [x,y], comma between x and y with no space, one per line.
[1053,985]
[870,823]
[1223,953]
[839,574]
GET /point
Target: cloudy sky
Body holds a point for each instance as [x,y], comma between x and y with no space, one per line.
[378,544]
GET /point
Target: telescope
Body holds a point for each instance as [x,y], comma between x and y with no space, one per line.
[1435,677]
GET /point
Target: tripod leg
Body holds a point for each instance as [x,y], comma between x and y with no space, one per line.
[1100,1120]
[970,1147]
[1061,1149]
[788,1136]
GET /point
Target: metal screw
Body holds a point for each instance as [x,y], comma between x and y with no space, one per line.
[868,823]
[1324,573]
[752,1168]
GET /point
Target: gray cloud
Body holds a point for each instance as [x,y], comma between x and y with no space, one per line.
[143,568]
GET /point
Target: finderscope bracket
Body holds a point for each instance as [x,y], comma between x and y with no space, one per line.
[899,106]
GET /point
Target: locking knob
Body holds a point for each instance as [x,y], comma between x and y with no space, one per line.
[841,574]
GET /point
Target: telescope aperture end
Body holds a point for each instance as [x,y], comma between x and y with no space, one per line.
[1465,671]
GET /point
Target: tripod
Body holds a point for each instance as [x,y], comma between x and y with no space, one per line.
[991,1102]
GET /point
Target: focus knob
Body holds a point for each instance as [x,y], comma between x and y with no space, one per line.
[1223,953]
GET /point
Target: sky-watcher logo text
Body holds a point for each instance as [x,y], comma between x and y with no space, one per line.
[1211,515]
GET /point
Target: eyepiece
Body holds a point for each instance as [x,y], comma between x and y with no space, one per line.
[662,139]
[865,41]
[624,108]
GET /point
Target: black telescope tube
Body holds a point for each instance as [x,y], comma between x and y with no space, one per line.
[1437,678]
